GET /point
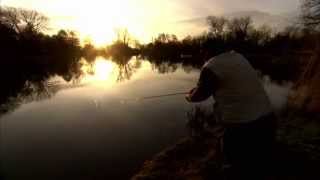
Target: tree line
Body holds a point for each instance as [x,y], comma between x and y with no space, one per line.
[29,57]
[279,54]
[25,49]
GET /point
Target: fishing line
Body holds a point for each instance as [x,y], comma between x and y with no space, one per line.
[163,95]
[154,97]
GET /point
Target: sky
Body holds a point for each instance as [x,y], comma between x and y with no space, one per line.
[99,19]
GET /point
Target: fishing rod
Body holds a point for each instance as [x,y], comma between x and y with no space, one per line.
[164,95]
[154,97]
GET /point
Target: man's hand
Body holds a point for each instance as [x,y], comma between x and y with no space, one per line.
[189,95]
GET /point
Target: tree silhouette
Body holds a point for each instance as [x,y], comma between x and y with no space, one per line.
[217,25]
[239,27]
[261,35]
[10,17]
[34,21]
[22,20]
[123,36]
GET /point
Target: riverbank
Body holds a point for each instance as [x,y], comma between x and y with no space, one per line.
[297,154]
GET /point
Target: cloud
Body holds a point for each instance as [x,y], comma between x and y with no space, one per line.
[204,7]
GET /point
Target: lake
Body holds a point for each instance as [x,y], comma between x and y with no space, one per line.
[97,126]
[96,121]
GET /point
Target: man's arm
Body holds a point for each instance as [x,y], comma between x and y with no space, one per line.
[207,85]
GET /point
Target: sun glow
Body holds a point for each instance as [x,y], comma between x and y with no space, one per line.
[103,69]
[98,20]
[101,19]
[102,72]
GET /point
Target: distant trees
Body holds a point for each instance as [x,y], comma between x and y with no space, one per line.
[89,52]
[29,57]
[68,37]
[271,52]
[166,38]
[121,48]
[163,47]
[217,25]
[123,36]
[22,31]
[239,27]
[261,35]
[29,53]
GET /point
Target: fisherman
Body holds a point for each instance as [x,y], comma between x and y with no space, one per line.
[244,108]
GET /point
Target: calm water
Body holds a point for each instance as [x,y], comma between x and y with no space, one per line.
[95,127]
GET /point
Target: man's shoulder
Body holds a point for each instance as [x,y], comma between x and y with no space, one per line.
[230,57]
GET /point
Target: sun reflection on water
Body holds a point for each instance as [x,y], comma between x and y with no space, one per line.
[106,73]
[101,72]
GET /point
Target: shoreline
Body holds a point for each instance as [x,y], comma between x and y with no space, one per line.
[199,158]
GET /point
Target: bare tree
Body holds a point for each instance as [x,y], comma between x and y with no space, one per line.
[69,37]
[123,36]
[23,20]
[261,35]
[311,13]
[217,24]
[33,20]
[240,27]
[163,38]
[166,38]
[10,17]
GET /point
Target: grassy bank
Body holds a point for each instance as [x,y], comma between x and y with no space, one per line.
[297,154]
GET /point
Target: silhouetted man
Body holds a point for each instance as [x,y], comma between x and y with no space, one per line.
[244,108]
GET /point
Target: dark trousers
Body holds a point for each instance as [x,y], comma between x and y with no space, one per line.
[248,147]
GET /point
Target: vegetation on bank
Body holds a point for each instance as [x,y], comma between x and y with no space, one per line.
[295,158]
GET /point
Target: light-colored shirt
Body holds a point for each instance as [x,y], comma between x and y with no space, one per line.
[240,94]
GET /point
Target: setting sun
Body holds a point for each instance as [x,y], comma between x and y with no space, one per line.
[98,21]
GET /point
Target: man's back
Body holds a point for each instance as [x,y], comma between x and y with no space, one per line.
[240,96]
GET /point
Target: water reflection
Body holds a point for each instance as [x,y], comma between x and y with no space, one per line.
[81,129]
[107,72]
[165,67]
[101,71]
[127,66]
[85,122]
[104,72]
[35,91]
